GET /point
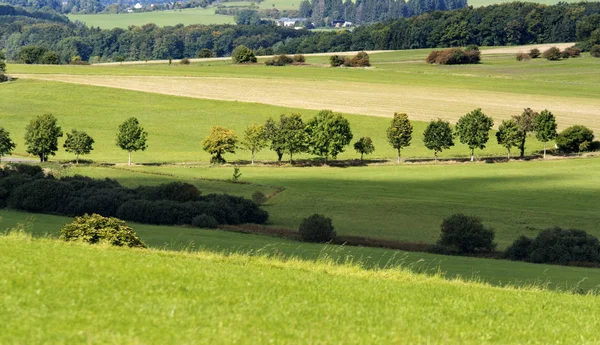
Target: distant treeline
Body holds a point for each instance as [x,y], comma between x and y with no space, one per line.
[506,24]
[323,12]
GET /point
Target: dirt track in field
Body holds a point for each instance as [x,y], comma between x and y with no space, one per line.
[421,103]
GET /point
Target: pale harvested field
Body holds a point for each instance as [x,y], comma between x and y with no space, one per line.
[525,49]
[421,103]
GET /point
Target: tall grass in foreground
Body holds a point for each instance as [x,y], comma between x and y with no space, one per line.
[54,292]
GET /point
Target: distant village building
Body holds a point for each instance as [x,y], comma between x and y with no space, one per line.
[341,24]
[138,6]
[289,22]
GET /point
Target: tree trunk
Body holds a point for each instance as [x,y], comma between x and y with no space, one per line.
[544,150]
[77,159]
[522,146]
[290,157]
[279,157]
[435,156]
[326,159]
[508,154]
[398,156]
[129,159]
[252,156]
[472,155]
[42,157]
[361,156]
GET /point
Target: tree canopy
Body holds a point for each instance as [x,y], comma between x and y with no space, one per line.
[41,136]
[473,130]
[220,141]
[328,134]
[255,139]
[508,135]
[6,144]
[438,136]
[399,133]
[79,143]
[526,122]
[364,146]
[545,127]
[131,137]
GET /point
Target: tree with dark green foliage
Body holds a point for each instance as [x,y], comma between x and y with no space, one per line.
[438,136]
[473,130]
[6,144]
[328,133]
[399,133]
[552,54]
[545,128]
[2,62]
[316,228]
[466,235]
[220,141]
[79,143]
[292,134]
[255,139]
[94,229]
[31,54]
[205,53]
[508,135]
[364,146]
[274,134]
[41,136]
[526,123]
[595,51]
[575,139]
[247,17]
[131,137]
[243,54]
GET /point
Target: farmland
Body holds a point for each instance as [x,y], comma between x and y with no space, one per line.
[160,18]
[155,297]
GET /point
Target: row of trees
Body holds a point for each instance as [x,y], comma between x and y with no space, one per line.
[42,133]
[506,24]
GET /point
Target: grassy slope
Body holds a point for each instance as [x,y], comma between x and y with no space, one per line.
[160,18]
[409,202]
[496,272]
[131,297]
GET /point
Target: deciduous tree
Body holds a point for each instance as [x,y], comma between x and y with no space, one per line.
[79,143]
[131,137]
[473,130]
[41,136]
[364,146]
[399,133]
[508,135]
[6,144]
[293,134]
[274,135]
[438,136]
[255,139]
[220,141]
[545,128]
[526,122]
[328,134]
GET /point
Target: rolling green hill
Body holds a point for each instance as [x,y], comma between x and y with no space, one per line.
[54,292]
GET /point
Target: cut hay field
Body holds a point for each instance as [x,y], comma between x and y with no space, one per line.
[161,18]
[60,293]
[495,272]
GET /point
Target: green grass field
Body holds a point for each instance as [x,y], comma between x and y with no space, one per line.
[161,18]
[60,293]
[496,272]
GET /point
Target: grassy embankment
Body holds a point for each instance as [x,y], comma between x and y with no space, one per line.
[72,293]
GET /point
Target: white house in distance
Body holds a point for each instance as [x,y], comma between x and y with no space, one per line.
[138,6]
[289,22]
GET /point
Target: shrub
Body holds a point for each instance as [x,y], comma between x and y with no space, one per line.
[205,221]
[558,246]
[243,54]
[45,195]
[50,58]
[454,56]
[205,53]
[280,60]
[360,60]
[317,228]
[259,197]
[575,139]
[433,56]
[534,53]
[95,228]
[519,250]
[299,58]
[595,51]
[572,52]
[175,191]
[552,54]
[564,54]
[336,60]
[466,234]
[184,61]
[472,54]
[523,57]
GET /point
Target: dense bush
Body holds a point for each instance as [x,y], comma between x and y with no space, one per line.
[595,51]
[95,228]
[336,60]
[243,54]
[184,61]
[454,56]
[361,59]
[27,188]
[299,58]
[552,54]
[557,246]
[519,250]
[534,53]
[523,57]
[280,60]
[316,228]
[575,139]
[466,234]
[205,53]
[572,52]
[205,221]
